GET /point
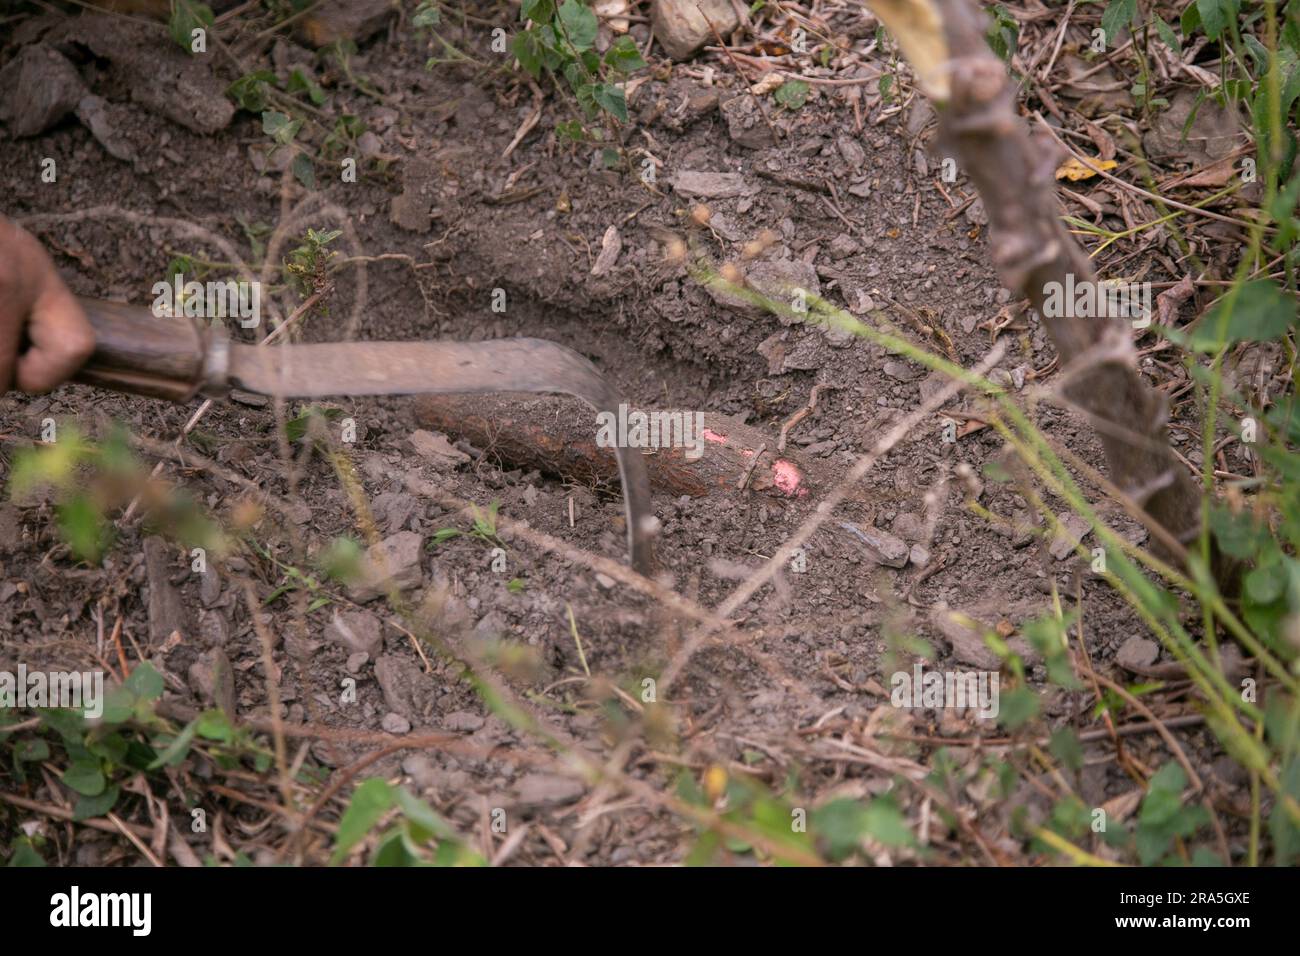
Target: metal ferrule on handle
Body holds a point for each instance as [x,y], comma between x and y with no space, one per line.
[157,356]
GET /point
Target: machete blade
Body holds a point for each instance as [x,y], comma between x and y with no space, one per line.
[412,368]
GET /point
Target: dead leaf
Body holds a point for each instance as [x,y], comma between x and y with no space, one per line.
[768,83]
[1075,170]
[1167,302]
[610,246]
[611,12]
[1216,174]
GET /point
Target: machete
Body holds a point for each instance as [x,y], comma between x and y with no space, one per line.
[175,359]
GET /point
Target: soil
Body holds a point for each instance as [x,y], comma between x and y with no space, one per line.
[448,214]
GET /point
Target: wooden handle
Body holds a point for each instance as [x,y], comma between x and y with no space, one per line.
[140,353]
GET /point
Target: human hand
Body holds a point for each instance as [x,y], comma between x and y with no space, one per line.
[38,314]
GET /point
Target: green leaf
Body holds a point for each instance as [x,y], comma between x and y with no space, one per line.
[187,17]
[304,171]
[423,817]
[792,94]
[1065,747]
[85,777]
[81,524]
[300,82]
[31,750]
[1214,16]
[1285,833]
[214,725]
[176,750]
[24,854]
[886,824]
[623,55]
[370,801]
[1265,584]
[280,127]
[539,11]
[610,98]
[1168,37]
[527,49]
[1163,816]
[1118,15]
[1003,33]
[578,23]
[96,806]
[1261,311]
[1239,535]
[844,823]
[586,94]
[144,683]
[392,850]
[840,824]
[1017,707]
[426,15]
[251,91]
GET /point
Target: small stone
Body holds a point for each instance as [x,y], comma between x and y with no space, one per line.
[773,348]
[899,371]
[437,449]
[462,721]
[214,629]
[351,20]
[357,631]
[711,185]
[968,646]
[1073,530]
[395,724]
[400,680]
[167,612]
[40,88]
[909,527]
[745,123]
[683,27]
[209,585]
[1137,653]
[393,562]
[882,547]
[785,281]
[251,399]
[356,661]
[546,789]
[604,580]
[919,555]
[106,121]
[851,151]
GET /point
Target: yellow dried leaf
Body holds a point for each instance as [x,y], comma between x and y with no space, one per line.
[918,28]
[715,781]
[1075,170]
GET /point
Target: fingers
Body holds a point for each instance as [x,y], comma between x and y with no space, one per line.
[61,339]
[37,307]
[13,298]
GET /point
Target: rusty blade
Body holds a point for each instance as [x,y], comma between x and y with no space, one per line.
[412,368]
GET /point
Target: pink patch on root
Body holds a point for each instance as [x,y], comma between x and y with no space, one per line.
[714,437]
[786,477]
